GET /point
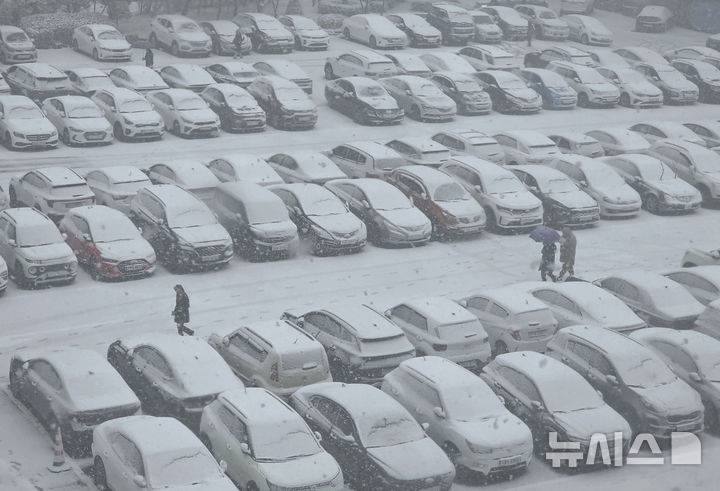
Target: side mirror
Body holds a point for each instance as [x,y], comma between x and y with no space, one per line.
[296,210]
[423,195]
[244,448]
[365,204]
[637,179]
[438,411]
[140,481]
[611,379]
[695,377]
[25,366]
[536,405]
[170,29]
[583,184]
[463,303]
[408,92]
[600,394]
[11,242]
[534,189]
[226,341]
[223,465]
[425,426]
[501,399]
[318,436]
[171,107]
[87,237]
[387,313]
[64,236]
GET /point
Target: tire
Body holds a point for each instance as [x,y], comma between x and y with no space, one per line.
[346,34]
[99,474]
[8,141]
[93,270]
[251,486]
[500,348]
[176,128]
[65,137]
[329,74]
[14,390]
[706,196]
[414,113]
[95,54]
[118,132]
[153,40]
[453,454]
[712,423]
[175,49]
[632,419]
[13,198]
[625,99]
[373,42]
[584,39]
[583,100]
[492,224]
[20,278]
[75,46]
[652,205]
[206,441]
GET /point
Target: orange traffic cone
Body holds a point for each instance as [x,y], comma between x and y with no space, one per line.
[58,463]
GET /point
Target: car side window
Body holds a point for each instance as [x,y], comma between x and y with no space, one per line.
[694,281]
[343,422]
[478,303]
[237,428]
[325,407]
[426,392]
[498,311]
[520,382]
[324,323]
[546,296]
[47,373]
[81,225]
[154,359]
[417,320]
[248,346]
[677,355]
[128,453]
[411,184]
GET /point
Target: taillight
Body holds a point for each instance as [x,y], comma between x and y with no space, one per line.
[439,347]
[274,372]
[369,73]
[515,335]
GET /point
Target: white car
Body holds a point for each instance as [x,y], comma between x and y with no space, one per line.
[23,125]
[416,28]
[707,130]
[635,90]
[588,30]
[420,98]
[190,175]
[468,141]
[233,72]
[85,81]
[409,64]
[16,46]
[654,131]
[374,30]
[361,63]
[137,77]
[545,22]
[463,415]
[421,150]
[607,59]
[365,159]
[78,120]
[486,31]
[147,452]
[129,113]
[52,190]
[641,54]
[703,282]
[578,143]
[116,186]
[654,18]
[287,70]
[308,35]
[618,140]
[185,113]
[709,321]
[243,167]
[489,58]
[180,34]
[697,257]
[447,62]
[526,147]
[102,42]
[3,273]
[591,87]
[186,76]
[305,166]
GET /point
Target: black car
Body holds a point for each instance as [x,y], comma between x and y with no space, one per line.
[238,110]
[418,31]
[509,93]
[285,104]
[702,74]
[222,33]
[364,100]
[266,33]
[452,21]
[465,91]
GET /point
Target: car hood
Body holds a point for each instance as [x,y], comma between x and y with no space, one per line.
[414,460]
[524,94]
[586,422]
[519,200]
[505,431]
[220,483]
[117,396]
[312,32]
[277,33]
[680,85]
[574,199]
[488,28]
[602,87]
[461,208]
[199,114]
[123,250]
[275,229]
[49,252]
[425,31]
[203,234]
[89,124]
[406,217]
[381,102]
[675,187]
[30,125]
[645,88]
[437,101]
[300,472]
[193,36]
[341,224]
[143,117]
[114,44]
[298,104]
[618,193]
[553,22]
[677,397]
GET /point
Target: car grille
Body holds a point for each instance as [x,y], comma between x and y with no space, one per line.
[468,219]
[51,267]
[204,123]
[344,236]
[95,135]
[522,212]
[684,199]
[133,266]
[279,238]
[198,44]
[681,418]
[37,138]
[567,100]
[210,250]
[116,50]
[145,125]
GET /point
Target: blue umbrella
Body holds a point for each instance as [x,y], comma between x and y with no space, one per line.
[545,234]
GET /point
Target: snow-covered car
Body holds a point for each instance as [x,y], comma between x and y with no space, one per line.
[704,75]
[107,243]
[440,327]
[102,42]
[465,90]
[489,58]
[453,22]
[447,62]
[675,87]
[37,81]
[190,175]
[615,197]
[569,54]
[285,104]
[308,35]
[469,141]
[364,100]
[713,42]
[388,215]
[697,257]
[632,379]
[129,113]
[153,453]
[409,64]
[23,124]
[183,231]
[703,282]
[116,186]
[654,131]
[173,375]
[365,159]
[635,89]
[700,53]
[360,63]
[556,93]
[233,72]
[243,167]
[75,389]
[236,108]
[370,451]
[526,147]
[507,203]
[654,18]
[513,26]
[707,130]
[418,31]
[34,250]
[361,344]
[79,121]
[578,143]
[551,397]
[693,356]
[486,31]
[222,33]
[51,190]
[463,415]
[707,322]
[256,219]
[287,70]
[4,87]
[275,355]
[305,166]
[266,444]
[322,219]
[513,319]
[374,30]
[658,185]
[607,59]
[576,6]
[618,140]
[16,46]
[4,202]
[640,54]
[509,93]
[545,22]
[185,113]
[591,87]
[85,81]
[4,274]
[186,76]
[138,78]
[421,150]
[265,32]
[180,35]
[588,30]
[421,99]
[658,300]
[563,203]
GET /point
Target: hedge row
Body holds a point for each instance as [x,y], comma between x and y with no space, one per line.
[55,30]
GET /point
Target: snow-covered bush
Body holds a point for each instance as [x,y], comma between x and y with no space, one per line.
[331,22]
[55,30]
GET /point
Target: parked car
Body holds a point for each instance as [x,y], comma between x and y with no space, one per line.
[468,141]
[674,86]
[265,443]
[417,29]
[662,130]
[359,63]
[704,75]
[243,167]
[365,159]
[703,282]
[489,57]
[420,98]
[709,131]
[4,274]
[463,416]
[305,166]
[190,175]
[486,31]
[266,33]
[588,30]
[37,81]
[138,78]
[698,257]
[23,125]
[287,70]
[509,93]
[526,147]
[4,202]
[545,22]
[568,54]
[374,30]
[550,397]
[180,35]
[308,35]
[700,53]
[707,322]
[78,120]
[364,100]
[16,46]
[361,344]
[420,150]
[513,26]
[577,6]
[554,90]
[51,190]
[658,185]
[467,93]
[453,22]
[116,186]
[352,420]
[633,380]
[591,87]
[322,219]
[222,35]
[658,300]
[447,62]
[236,108]
[607,59]
[618,140]
[107,243]
[654,18]
[713,42]
[165,455]
[4,87]
[285,104]
[577,143]
[185,113]
[388,215]
[635,90]
[129,113]
[233,72]
[409,64]
[182,230]
[28,236]
[507,203]
[85,81]
[102,42]
[186,76]
[640,54]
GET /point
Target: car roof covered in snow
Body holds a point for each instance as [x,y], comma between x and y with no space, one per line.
[441,371]
[512,297]
[228,89]
[60,176]
[645,163]
[74,101]
[43,70]
[702,348]
[430,176]
[357,399]
[624,135]
[580,161]
[441,310]
[258,405]
[710,272]
[575,136]
[376,149]
[541,173]
[278,82]
[413,81]
[99,214]
[542,369]
[282,335]
[188,69]
[247,191]
[237,66]
[365,321]
[422,143]
[616,345]
[191,172]
[122,173]
[362,82]
[27,217]
[469,133]
[502,76]
[122,94]
[9,101]
[528,137]
[154,435]
[485,168]
[495,51]
[176,18]
[306,192]
[369,55]
[88,71]
[139,71]
[284,68]
[100,27]
[456,77]
[370,186]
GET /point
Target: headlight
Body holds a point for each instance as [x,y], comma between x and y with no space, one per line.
[450,218]
[189,121]
[478,449]
[128,122]
[18,134]
[321,232]
[185,246]
[109,260]
[504,209]
[228,250]
[72,128]
[652,407]
[151,258]
[32,270]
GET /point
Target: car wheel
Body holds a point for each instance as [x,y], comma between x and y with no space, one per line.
[14,387]
[95,54]
[584,39]
[712,423]
[706,196]
[8,140]
[652,205]
[414,113]
[453,454]
[20,279]
[583,100]
[176,128]
[175,49]
[373,42]
[252,486]
[13,198]
[500,348]
[65,137]
[153,40]
[3,57]
[75,46]
[118,132]
[632,419]
[99,474]
[329,74]
[346,34]
[93,269]
[492,223]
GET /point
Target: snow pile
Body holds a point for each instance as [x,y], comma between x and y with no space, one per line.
[10,479]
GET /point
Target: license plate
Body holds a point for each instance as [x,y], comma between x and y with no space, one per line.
[24,57]
[279,247]
[254,123]
[303,118]
[94,137]
[55,274]
[511,460]
[135,267]
[685,427]
[213,257]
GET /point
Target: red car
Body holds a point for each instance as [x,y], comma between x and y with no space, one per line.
[452,211]
[107,242]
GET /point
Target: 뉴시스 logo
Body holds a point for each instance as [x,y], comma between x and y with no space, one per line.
[685,449]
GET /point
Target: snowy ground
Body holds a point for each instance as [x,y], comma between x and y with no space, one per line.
[90,314]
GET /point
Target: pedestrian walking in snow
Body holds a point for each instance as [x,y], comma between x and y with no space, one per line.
[531,32]
[237,42]
[181,313]
[547,261]
[568,245]
[149,58]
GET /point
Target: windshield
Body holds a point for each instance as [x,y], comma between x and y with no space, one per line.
[89,111]
[631,77]
[547,14]
[270,211]
[388,201]
[427,90]
[553,80]
[188,27]
[371,91]
[591,76]
[657,172]
[130,187]
[511,83]
[135,106]
[282,440]
[707,161]
[16,37]
[97,82]
[450,191]
[190,104]
[388,429]
[240,100]
[112,231]
[460,17]
[110,35]
[268,23]
[482,19]
[24,112]
[37,235]
[304,23]
[645,373]
[471,402]
[505,184]
[183,468]
[190,217]
[558,399]
[672,75]
[467,86]
[601,176]
[712,372]
[708,72]
[322,204]
[244,74]
[290,93]
[559,185]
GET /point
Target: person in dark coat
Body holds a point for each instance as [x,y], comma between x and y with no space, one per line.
[237,42]
[547,262]
[181,313]
[568,245]
[531,33]
[149,58]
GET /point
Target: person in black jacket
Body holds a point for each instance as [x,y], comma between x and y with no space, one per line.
[547,263]
[237,42]
[149,58]
[181,313]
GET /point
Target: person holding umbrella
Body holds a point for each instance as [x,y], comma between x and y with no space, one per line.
[548,237]
[568,245]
